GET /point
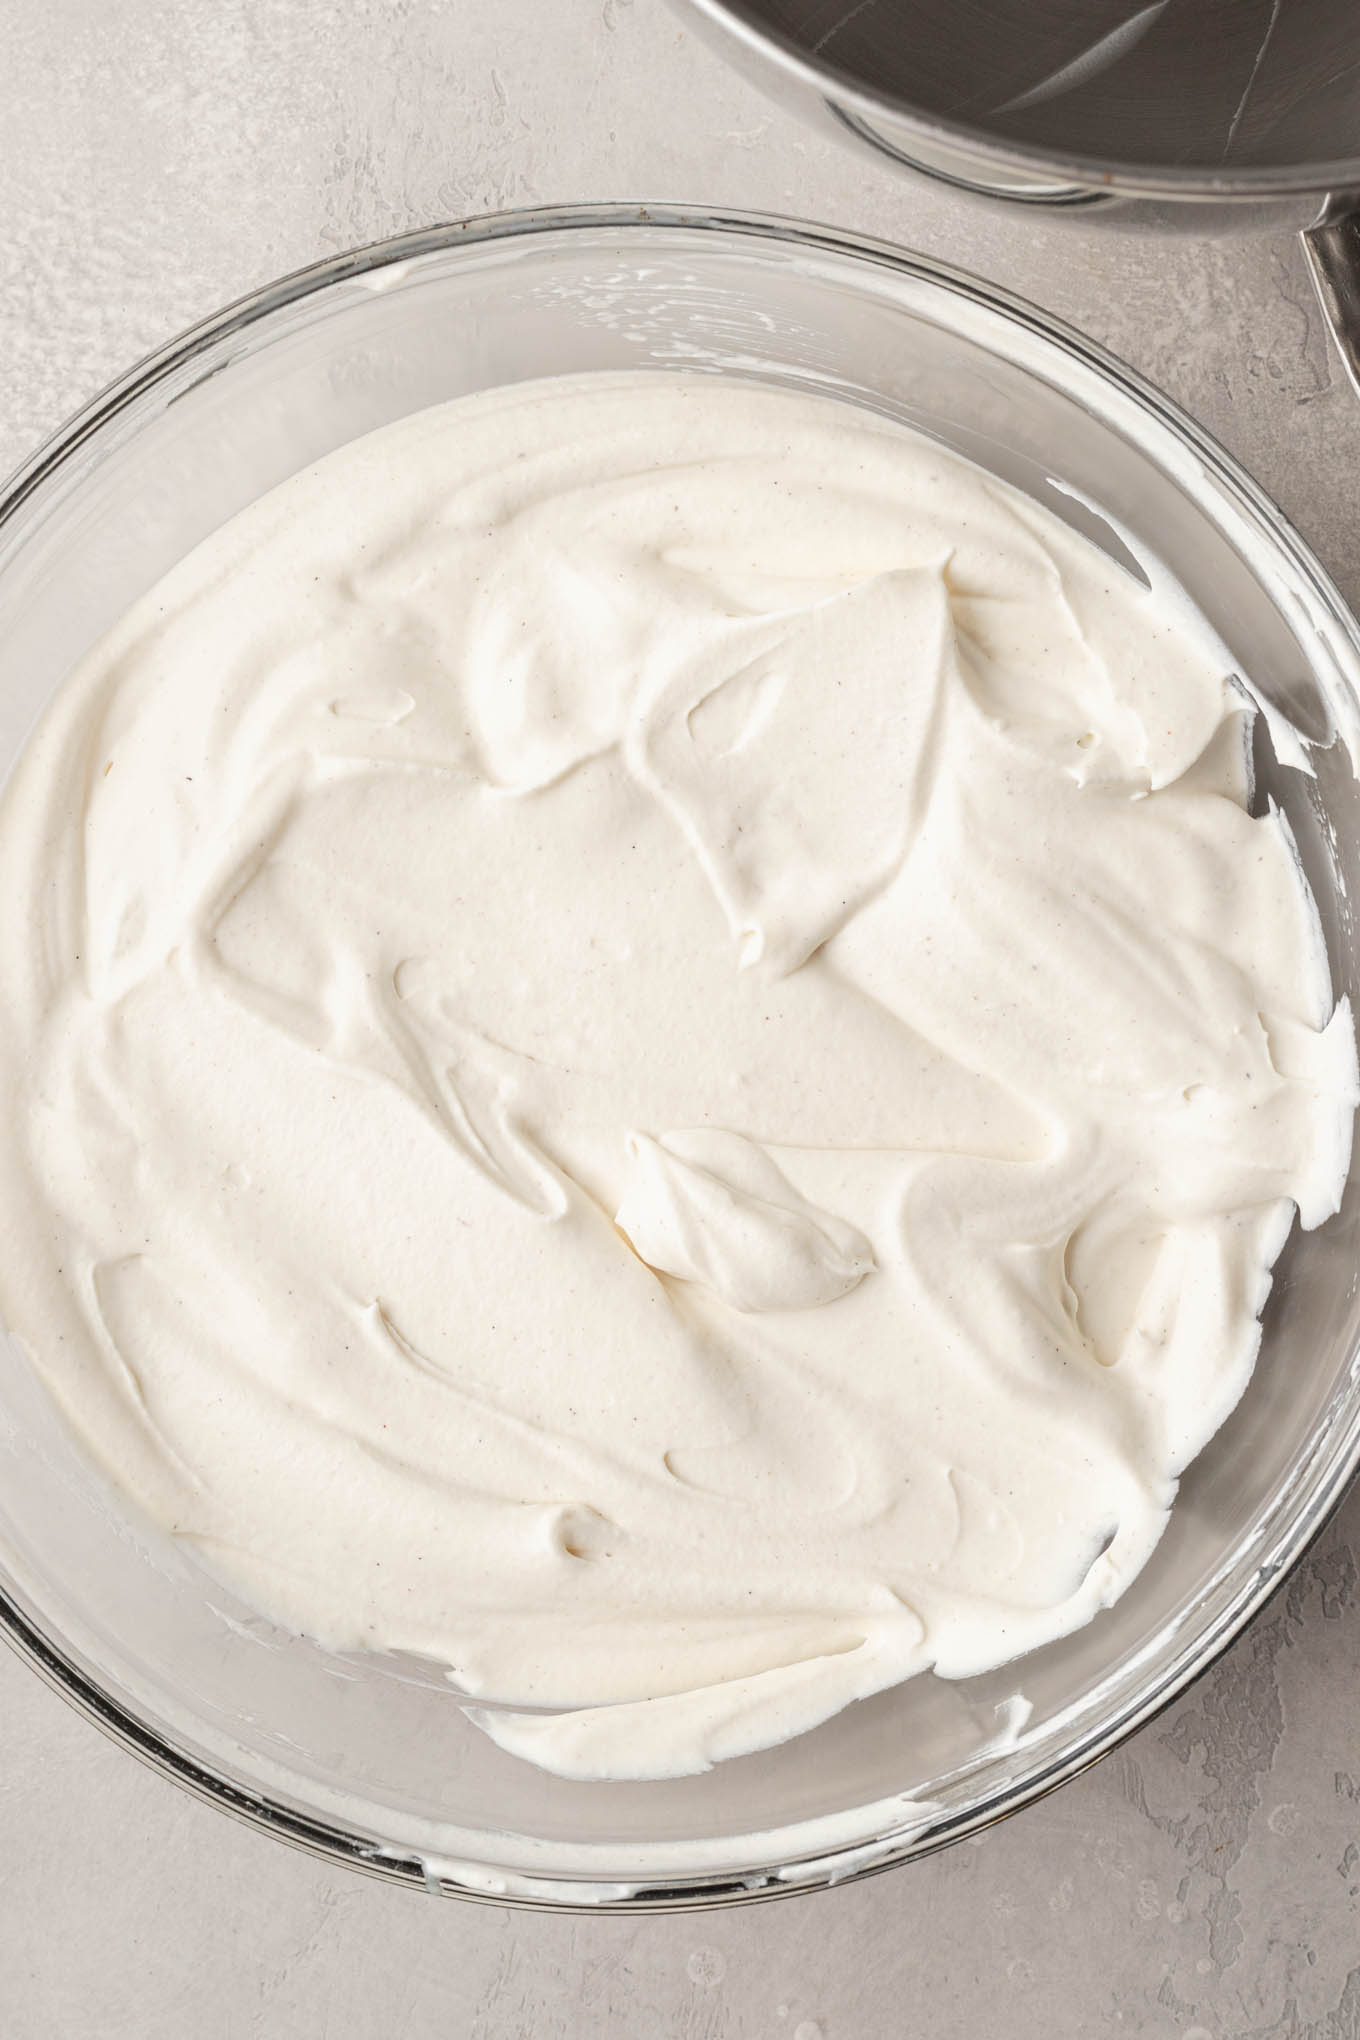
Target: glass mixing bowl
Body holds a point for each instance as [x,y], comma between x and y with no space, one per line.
[369,1760]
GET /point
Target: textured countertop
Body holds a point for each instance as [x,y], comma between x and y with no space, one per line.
[157,159]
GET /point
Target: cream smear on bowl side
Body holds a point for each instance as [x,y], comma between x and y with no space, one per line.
[654,1055]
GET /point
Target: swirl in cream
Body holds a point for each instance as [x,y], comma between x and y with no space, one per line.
[655,1055]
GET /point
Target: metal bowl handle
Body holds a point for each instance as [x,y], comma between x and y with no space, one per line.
[1333,251]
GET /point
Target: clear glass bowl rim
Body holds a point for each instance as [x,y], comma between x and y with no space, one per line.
[1323,1485]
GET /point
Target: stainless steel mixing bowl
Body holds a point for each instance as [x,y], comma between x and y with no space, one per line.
[369,1759]
[1204,114]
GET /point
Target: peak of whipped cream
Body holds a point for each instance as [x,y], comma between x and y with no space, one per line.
[714,1208]
[652,1053]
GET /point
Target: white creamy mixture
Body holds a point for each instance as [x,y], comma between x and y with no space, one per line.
[653,1055]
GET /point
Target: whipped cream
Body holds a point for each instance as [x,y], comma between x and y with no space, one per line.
[653,1054]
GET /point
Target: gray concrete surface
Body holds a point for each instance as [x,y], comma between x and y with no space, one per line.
[157,159]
